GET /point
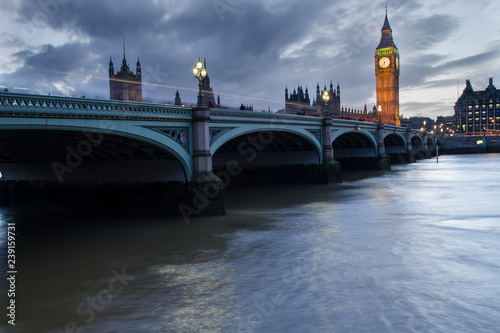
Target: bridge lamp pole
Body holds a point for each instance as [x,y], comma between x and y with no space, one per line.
[326,97]
[379,109]
[200,72]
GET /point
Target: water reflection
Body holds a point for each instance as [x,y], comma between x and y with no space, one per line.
[414,249]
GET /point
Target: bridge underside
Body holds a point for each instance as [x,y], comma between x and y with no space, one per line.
[74,156]
[267,148]
[416,143]
[268,157]
[353,145]
[394,144]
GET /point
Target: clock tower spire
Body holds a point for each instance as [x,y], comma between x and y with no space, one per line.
[387,75]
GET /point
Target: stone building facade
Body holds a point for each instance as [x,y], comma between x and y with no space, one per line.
[299,102]
[478,112]
[125,85]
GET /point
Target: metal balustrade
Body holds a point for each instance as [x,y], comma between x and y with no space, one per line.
[23,103]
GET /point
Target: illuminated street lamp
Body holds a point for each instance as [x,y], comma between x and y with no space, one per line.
[326,97]
[379,109]
[200,72]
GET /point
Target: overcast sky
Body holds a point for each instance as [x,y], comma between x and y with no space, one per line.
[253,48]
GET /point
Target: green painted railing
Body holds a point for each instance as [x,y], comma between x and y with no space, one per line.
[16,103]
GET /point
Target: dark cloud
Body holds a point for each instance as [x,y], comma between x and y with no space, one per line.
[253,48]
[423,33]
[93,18]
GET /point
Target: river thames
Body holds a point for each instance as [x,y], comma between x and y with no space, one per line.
[414,249]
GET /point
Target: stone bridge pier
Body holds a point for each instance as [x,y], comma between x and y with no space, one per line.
[205,195]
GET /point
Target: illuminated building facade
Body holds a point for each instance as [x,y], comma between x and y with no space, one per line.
[478,112]
[387,76]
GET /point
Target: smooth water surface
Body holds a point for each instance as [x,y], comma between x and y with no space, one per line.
[414,249]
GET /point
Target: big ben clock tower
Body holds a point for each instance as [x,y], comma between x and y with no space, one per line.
[387,76]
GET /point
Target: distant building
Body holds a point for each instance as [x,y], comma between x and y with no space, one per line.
[178,98]
[444,125]
[207,92]
[478,112]
[299,102]
[419,123]
[125,85]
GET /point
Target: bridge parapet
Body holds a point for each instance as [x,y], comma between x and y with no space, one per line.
[15,104]
[218,115]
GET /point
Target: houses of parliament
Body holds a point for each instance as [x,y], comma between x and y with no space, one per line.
[387,90]
[127,86]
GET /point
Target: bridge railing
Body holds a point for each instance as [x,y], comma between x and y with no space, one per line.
[238,115]
[25,103]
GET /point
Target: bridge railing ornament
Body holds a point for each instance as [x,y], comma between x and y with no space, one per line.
[235,115]
[23,103]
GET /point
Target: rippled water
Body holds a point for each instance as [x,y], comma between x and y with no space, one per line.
[415,249]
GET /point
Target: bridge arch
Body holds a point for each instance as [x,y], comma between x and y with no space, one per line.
[348,144]
[57,148]
[395,143]
[430,143]
[417,143]
[268,145]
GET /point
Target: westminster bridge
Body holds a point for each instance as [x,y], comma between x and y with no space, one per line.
[73,140]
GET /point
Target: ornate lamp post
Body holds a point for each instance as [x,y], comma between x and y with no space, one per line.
[326,97]
[200,72]
[379,109]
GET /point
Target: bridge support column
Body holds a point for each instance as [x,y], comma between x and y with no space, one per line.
[408,141]
[383,160]
[202,160]
[329,171]
[205,195]
[428,150]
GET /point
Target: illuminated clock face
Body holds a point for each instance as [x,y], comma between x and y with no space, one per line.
[384,62]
